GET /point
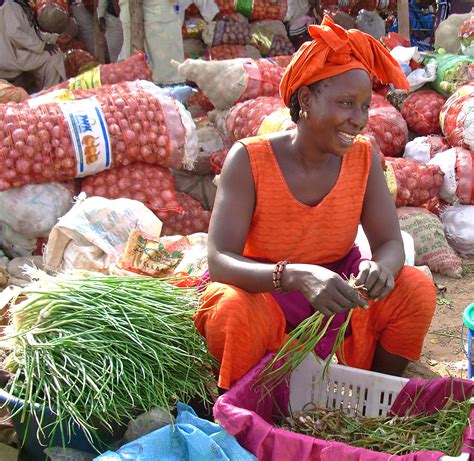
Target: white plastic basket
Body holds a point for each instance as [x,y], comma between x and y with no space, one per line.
[349,389]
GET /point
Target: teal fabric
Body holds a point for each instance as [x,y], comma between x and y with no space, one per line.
[190,438]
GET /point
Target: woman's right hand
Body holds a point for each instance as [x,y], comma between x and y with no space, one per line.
[326,291]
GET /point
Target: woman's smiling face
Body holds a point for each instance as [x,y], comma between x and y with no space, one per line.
[337,111]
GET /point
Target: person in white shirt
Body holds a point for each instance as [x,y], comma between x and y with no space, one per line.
[24,48]
[108,13]
[163,35]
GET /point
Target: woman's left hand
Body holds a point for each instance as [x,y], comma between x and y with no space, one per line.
[378,281]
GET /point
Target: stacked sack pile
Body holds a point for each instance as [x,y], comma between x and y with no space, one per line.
[120,140]
[424,139]
[156,154]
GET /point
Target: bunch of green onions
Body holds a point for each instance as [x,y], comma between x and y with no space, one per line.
[301,342]
[100,350]
[396,435]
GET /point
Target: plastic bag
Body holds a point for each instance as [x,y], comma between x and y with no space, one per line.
[235,80]
[223,52]
[421,112]
[424,148]
[389,129]
[11,93]
[466,36]
[33,210]
[194,219]
[65,140]
[457,119]
[453,71]
[457,221]
[93,234]
[370,23]
[67,454]
[151,255]
[150,184]
[193,27]
[52,15]
[133,68]
[457,166]
[416,183]
[247,118]
[431,247]
[77,62]
[189,438]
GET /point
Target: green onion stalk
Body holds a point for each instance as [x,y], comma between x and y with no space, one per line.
[99,350]
[302,341]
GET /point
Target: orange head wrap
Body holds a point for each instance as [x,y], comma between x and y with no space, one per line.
[335,50]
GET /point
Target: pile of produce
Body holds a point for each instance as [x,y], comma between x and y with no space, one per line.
[98,350]
[394,435]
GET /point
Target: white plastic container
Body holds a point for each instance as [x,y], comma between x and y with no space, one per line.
[352,390]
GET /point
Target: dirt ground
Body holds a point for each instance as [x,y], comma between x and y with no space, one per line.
[443,353]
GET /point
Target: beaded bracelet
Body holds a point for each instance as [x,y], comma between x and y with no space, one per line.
[277,271]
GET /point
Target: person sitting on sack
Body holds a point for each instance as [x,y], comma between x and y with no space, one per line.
[24,48]
[290,204]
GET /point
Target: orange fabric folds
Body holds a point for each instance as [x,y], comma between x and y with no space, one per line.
[335,50]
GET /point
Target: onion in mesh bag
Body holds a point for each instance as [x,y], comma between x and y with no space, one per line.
[457,121]
[194,219]
[133,68]
[421,112]
[61,141]
[150,184]
[389,128]
[78,61]
[246,118]
[416,183]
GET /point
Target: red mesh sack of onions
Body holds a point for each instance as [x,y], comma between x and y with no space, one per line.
[376,146]
[52,15]
[234,80]
[223,52]
[11,93]
[389,129]
[265,9]
[61,141]
[152,185]
[133,68]
[416,183]
[421,111]
[457,164]
[378,101]
[227,31]
[78,61]
[424,148]
[67,42]
[226,7]
[245,119]
[282,61]
[457,122]
[194,219]
[217,160]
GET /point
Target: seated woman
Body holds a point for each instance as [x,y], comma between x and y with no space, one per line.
[24,48]
[290,203]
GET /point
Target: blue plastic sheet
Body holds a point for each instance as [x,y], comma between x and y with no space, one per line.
[190,438]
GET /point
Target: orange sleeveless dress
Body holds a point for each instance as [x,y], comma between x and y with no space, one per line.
[240,327]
